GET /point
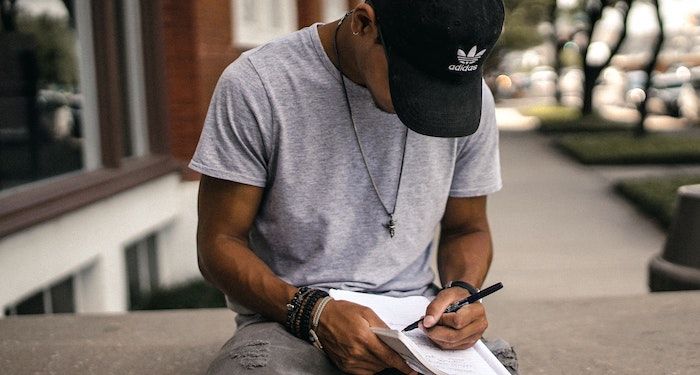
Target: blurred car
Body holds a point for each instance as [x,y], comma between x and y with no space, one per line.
[543,81]
[676,93]
[571,86]
[611,88]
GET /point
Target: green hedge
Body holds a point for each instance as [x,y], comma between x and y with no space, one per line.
[196,294]
[655,196]
[628,149]
[561,119]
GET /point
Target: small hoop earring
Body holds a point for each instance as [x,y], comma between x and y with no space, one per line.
[356,33]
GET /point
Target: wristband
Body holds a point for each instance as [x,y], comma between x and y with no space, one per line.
[462,284]
[313,337]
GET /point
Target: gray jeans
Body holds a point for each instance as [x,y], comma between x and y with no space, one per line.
[267,348]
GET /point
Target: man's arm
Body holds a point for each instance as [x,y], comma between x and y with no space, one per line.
[227,211]
[465,250]
[464,253]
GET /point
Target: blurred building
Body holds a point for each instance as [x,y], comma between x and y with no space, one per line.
[101,106]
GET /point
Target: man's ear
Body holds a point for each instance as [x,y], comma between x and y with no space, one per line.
[363,20]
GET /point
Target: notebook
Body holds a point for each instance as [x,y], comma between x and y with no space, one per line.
[414,346]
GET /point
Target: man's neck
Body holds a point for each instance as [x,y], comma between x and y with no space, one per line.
[347,64]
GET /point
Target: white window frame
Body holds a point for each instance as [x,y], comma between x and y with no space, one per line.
[254,23]
[92,150]
[135,80]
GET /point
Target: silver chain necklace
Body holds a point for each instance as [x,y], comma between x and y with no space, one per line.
[391,225]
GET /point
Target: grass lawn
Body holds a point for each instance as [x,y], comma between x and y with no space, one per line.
[628,149]
[655,196]
[561,119]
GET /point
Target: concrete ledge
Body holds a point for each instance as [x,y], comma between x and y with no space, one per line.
[654,333]
[647,334]
[162,342]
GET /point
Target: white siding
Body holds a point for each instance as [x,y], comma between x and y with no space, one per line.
[90,242]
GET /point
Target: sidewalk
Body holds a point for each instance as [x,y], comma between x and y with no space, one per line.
[560,231]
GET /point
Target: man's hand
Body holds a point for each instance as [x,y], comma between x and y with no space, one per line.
[344,332]
[457,330]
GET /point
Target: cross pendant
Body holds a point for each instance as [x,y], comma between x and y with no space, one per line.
[391,226]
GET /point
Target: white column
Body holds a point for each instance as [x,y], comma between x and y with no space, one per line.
[103,286]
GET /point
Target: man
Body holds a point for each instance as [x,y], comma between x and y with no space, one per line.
[329,157]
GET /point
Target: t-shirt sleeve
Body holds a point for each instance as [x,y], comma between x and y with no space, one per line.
[478,167]
[232,143]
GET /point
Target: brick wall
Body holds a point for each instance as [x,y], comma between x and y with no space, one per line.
[198,47]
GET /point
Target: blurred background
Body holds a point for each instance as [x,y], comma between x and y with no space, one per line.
[102,103]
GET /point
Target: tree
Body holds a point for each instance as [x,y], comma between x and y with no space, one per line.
[598,54]
[56,56]
[520,29]
[649,69]
[557,43]
[8,14]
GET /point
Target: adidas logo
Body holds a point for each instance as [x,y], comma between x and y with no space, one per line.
[471,57]
[467,59]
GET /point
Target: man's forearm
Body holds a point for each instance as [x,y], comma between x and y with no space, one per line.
[465,256]
[231,266]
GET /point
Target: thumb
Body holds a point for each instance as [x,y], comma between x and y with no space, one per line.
[437,307]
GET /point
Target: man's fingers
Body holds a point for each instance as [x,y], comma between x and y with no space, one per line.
[435,309]
[448,336]
[463,317]
[388,356]
[379,349]
[462,344]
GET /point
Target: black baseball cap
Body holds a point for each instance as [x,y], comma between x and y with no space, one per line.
[436,51]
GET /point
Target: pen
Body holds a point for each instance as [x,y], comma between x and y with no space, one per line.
[458,305]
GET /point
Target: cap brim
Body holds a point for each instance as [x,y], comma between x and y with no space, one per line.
[434,106]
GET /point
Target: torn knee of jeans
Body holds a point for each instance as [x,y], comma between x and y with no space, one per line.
[252,354]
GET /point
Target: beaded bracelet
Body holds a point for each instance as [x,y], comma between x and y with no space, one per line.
[306,313]
[300,310]
[293,307]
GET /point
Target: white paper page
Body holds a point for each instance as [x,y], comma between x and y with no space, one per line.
[397,313]
[468,361]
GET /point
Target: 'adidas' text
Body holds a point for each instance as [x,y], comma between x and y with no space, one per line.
[463,68]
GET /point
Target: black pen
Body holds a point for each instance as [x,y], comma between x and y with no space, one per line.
[458,305]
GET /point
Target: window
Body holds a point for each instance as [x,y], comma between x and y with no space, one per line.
[334,9]
[91,122]
[142,270]
[57,298]
[258,21]
[134,128]
[42,112]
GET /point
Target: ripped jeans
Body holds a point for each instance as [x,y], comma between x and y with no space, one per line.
[267,348]
[260,347]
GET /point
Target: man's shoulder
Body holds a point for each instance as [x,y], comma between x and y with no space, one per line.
[284,53]
[278,55]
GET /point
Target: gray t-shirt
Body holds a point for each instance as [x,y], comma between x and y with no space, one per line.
[278,120]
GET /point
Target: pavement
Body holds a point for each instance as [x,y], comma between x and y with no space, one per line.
[559,229]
